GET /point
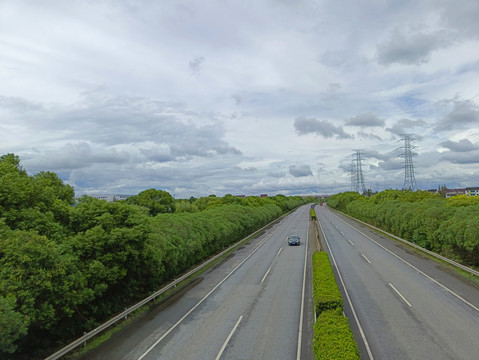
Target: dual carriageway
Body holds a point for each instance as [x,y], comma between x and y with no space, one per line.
[257,304]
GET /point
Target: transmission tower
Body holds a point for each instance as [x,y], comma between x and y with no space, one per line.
[352,176]
[357,178]
[408,153]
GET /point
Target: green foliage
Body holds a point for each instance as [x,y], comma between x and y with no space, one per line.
[13,324]
[326,294]
[447,226]
[45,280]
[66,266]
[156,201]
[333,338]
[340,201]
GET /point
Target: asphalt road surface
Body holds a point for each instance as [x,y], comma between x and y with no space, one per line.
[401,305]
[255,305]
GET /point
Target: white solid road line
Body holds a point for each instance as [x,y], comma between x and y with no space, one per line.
[365,258]
[228,338]
[300,332]
[401,295]
[203,299]
[412,266]
[279,252]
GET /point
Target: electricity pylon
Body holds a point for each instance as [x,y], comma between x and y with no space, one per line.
[357,178]
[408,153]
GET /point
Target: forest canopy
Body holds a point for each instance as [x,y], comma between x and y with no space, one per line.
[67,264]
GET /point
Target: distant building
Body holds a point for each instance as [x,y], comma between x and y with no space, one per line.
[263,195]
[454,192]
[111,197]
[472,191]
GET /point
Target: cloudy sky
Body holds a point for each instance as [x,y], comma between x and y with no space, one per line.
[240,97]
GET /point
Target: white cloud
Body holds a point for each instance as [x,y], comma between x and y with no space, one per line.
[220,96]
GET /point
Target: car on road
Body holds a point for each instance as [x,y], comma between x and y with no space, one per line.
[294,240]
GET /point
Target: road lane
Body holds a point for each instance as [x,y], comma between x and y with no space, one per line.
[401,301]
[261,285]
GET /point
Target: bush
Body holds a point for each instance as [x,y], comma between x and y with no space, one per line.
[333,338]
[326,295]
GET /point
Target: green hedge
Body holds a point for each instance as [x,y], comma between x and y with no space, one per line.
[333,338]
[326,293]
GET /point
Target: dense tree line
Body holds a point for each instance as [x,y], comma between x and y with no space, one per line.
[68,264]
[446,226]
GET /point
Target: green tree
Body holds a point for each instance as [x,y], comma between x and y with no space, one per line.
[156,201]
[46,282]
[13,324]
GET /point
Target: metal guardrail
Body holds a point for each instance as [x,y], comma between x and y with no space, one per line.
[451,262]
[153,296]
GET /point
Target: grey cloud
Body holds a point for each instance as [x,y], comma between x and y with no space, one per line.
[110,121]
[469,157]
[325,128]
[158,154]
[333,93]
[74,156]
[377,155]
[463,145]
[464,113]
[367,136]
[202,145]
[334,58]
[278,174]
[365,120]
[391,164]
[410,48]
[196,63]
[405,126]
[300,170]
[19,105]
[462,18]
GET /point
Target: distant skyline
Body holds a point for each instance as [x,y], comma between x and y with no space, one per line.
[251,97]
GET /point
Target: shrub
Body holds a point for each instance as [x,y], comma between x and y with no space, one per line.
[326,295]
[333,338]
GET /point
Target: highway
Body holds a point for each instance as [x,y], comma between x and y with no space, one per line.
[254,305]
[401,305]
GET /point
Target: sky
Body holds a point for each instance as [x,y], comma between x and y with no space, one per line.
[240,97]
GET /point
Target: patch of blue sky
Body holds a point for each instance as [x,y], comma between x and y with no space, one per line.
[412,106]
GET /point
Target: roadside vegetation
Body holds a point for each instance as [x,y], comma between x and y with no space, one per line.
[67,265]
[333,338]
[449,227]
